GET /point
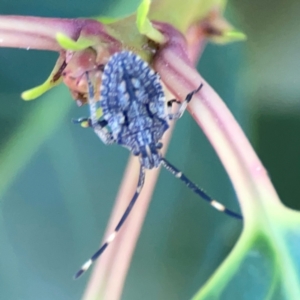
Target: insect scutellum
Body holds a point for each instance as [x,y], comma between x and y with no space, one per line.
[135,115]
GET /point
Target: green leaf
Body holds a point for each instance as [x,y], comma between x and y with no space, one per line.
[144,25]
[47,85]
[106,20]
[229,36]
[235,35]
[68,44]
[264,264]
[182,14]
[39,90]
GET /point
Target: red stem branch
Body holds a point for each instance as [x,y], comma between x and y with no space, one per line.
[40,33]
[247,174]
[110,272]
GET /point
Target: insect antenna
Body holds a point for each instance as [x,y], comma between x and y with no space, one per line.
[200,192]
[112,236]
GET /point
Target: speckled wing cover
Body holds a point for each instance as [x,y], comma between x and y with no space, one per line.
[133,103]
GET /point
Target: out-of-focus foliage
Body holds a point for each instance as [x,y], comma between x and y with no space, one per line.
[57,200]
[265,262]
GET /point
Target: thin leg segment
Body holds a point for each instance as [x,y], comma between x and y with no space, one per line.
[101,131]
[169,106]
[112,236]
[87,122]
[183,105]
[200,192]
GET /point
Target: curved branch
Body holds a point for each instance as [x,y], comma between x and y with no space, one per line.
[247,174]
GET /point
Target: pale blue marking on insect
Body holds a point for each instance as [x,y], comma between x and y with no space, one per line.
[135,116]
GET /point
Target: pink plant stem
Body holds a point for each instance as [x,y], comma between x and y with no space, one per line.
[35,32]
[110,271]
[244,168]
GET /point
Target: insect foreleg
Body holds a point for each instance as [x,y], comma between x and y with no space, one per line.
[183,105]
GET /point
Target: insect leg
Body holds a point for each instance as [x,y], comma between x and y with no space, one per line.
[101,131]
[200,192]
[169,106]
[87,122]
[112,236]
[183,105]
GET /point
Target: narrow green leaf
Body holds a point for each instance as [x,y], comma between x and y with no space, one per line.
[182,14]
[68,44]
[235,35]
[265,263]
[39,90]
[53,80]
[229,36]
[107,20]
[144,25]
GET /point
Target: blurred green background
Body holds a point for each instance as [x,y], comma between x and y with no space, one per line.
[58,182]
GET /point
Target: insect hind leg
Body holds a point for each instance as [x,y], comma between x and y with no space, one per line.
[200,192]
[112,236]
[183,105]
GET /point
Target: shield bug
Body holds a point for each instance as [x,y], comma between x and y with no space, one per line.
[135,115]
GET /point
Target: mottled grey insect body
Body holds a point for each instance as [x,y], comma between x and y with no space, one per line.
[135,116]
[133,104]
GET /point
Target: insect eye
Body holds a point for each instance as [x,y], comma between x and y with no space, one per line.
[159,145]
[136,153]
